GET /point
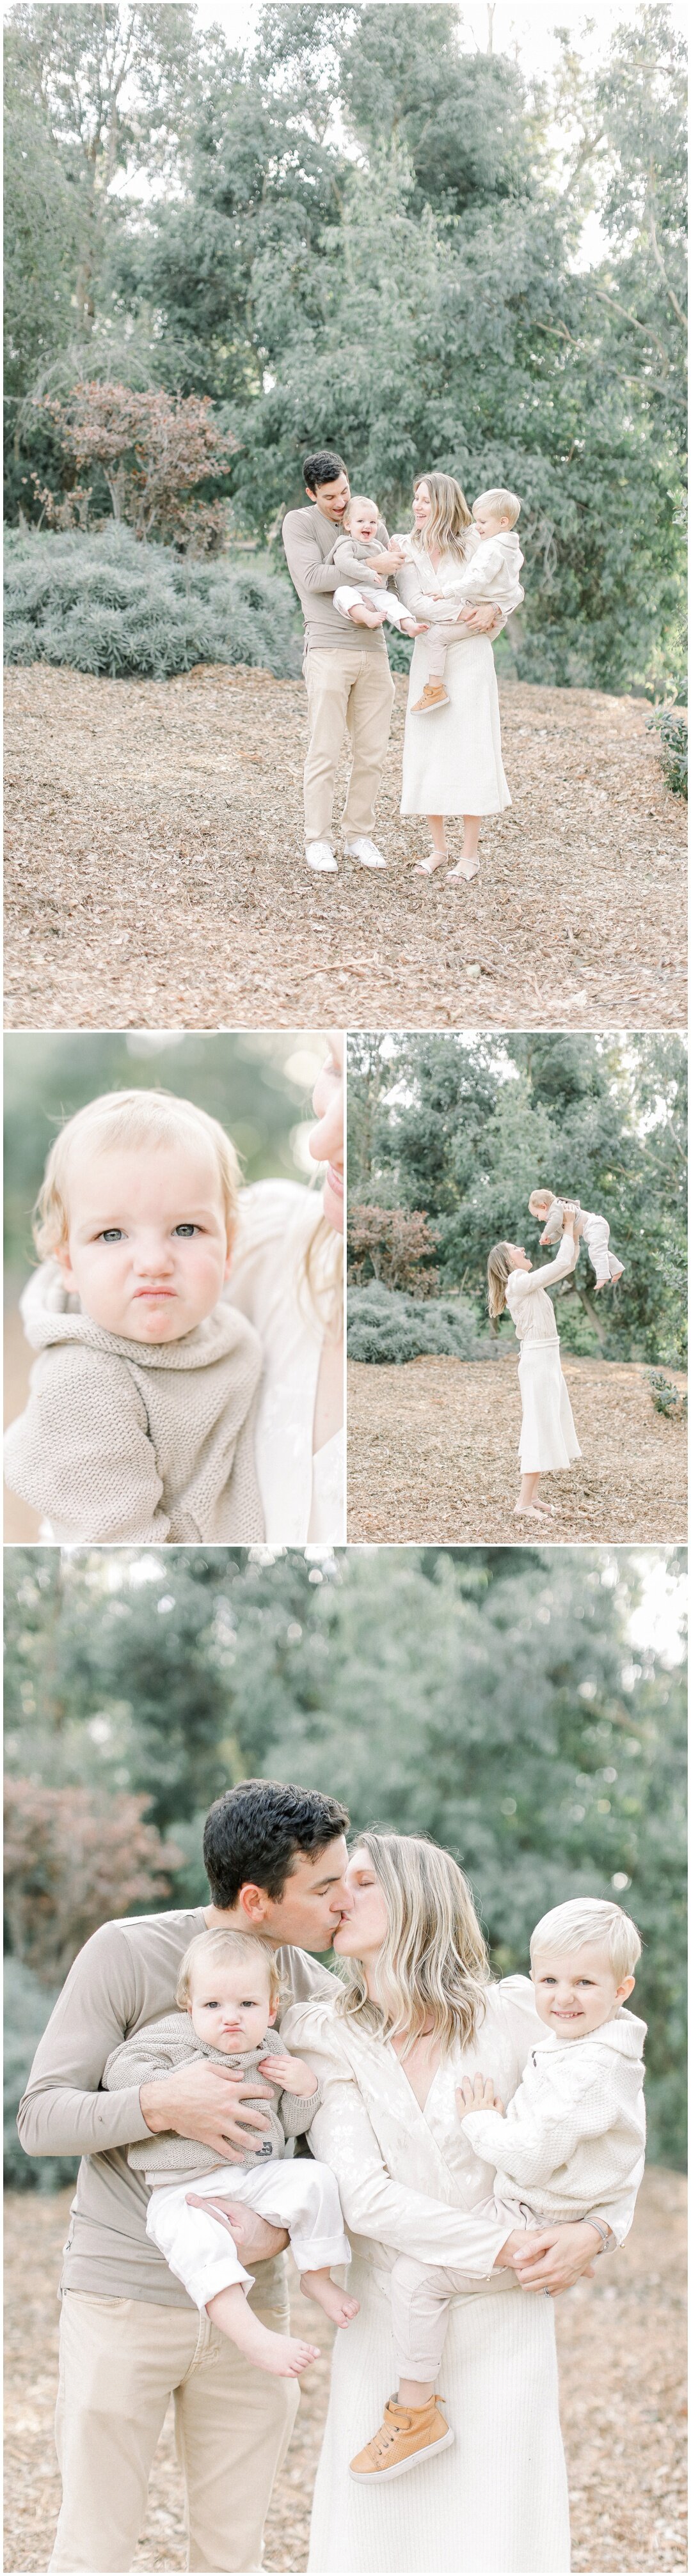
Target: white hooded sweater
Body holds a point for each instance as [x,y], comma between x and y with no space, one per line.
[123,1440]
[574,2132]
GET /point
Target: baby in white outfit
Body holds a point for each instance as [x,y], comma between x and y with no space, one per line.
[355,556]
[490,576]
[594,1229]
[228,1993]
[571,2142]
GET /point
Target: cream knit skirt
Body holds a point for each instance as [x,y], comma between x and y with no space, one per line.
[548,1435]
[496,2503]
[452,760]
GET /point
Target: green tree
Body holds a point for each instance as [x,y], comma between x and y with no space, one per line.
[466,1128]
[492,1698]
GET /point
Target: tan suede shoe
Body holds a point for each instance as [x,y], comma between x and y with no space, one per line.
[434,695]
[408,2435]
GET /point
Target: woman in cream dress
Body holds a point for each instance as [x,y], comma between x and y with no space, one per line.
[287,1277]
[418,2012]
[548,1437]
[452,761]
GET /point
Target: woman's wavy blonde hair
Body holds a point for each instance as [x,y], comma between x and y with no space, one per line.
[321,1277]
[449,519]
[433,1969]
[498,1271]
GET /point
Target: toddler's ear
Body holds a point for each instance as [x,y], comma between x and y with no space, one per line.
[273,2009]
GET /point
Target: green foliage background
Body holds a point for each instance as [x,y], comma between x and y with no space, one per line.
[253,1081]
[465,1128]
[490,1697]
[362,231]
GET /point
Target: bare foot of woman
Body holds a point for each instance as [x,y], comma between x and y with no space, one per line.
[336,2303]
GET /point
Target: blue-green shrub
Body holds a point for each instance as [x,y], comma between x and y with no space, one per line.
[389,1324]
[109,605]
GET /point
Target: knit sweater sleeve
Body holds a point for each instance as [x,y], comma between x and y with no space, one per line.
[81,1454]
[355,568]
[149,2053]
[296,2111]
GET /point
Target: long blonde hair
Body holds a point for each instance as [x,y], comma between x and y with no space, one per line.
[449,516]
[433,1968]
[498,1271]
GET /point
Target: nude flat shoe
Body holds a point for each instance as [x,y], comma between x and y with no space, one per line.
[428,867]
[466,868]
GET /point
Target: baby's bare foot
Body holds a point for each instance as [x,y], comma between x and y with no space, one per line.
[287,2357]
[336,2303]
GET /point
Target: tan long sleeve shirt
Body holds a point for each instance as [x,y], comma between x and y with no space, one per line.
[123,1979]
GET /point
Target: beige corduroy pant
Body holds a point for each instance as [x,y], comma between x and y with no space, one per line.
[120,2362]
[350,692]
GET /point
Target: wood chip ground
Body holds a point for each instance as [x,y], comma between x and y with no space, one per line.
[622,2365]
[433,1455]
[155,871]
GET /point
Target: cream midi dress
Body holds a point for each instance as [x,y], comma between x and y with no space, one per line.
[496,2503]
[548,1435]
[452,761]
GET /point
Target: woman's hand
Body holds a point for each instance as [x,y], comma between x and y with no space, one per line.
[292,2073]
[483,620]
[477,2093]
[553,2258]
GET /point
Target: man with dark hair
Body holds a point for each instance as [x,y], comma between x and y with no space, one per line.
[347,677]
[129,2335]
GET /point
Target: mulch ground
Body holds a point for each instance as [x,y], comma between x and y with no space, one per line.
[155,873]
[622,2361]
[433,1454]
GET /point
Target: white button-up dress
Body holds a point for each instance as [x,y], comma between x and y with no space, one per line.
[495,2504]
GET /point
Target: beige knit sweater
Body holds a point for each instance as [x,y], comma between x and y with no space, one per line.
[126,1441]
[170,2043]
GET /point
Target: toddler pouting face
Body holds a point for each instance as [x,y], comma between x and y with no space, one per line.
[230,2005]
[147,1248]
[577,1990]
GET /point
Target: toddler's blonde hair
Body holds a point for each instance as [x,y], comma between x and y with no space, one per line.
[504,505]
[540,1199]
[595,1923]
[127,1118]
[365,499]
[225,1944]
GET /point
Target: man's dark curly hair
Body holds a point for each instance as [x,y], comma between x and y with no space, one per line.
[257,1831]
[324,466]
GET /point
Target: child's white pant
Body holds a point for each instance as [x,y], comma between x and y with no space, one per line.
[604,1262]
[436,647]
[346,597]
[420,2300]
[292,2192]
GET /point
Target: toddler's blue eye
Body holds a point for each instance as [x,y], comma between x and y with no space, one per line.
[184,1229]
[112,1234]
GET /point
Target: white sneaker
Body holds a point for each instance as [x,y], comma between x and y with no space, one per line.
[319,855]
[365,851]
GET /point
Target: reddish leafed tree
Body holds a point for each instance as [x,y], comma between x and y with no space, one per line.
[393,1245]
[72,1860]
[154,449]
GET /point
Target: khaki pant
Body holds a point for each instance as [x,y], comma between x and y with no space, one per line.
[349,691]
[120,2361]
